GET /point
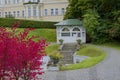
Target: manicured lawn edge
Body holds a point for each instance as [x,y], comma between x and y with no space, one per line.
[114,45]
[86,63]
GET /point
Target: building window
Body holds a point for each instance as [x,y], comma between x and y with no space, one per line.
[29,12]
[56,11]
[18,13]
[14,14]
[8,1]
[9,13]
[76,29]
[62,11]
[39,12]
[0,2]
[65,29]
[46,12]
[23,14]
[5,1]
[65,32]
[18,1]
[14,1]
[34,0]
[5,14]
[52,12]
[34,11]
[0,14]
[83,34]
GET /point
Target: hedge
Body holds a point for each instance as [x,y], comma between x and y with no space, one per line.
[7,22]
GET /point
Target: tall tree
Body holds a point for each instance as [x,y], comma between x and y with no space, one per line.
[109,17]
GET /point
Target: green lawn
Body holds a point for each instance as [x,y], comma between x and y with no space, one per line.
[89,51]
[52,48]
[96,56]
[48,34]
[115,45]
[52,51]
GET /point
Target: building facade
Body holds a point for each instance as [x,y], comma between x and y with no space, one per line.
[43,10]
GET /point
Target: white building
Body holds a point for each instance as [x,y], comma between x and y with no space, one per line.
[42,10]
[70,31]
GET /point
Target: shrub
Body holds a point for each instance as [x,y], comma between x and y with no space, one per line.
[79,41]
[6,22]
[61,41]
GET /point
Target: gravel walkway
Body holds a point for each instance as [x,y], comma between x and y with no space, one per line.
[109,69]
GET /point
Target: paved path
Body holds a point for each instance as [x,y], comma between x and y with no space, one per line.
[109,69]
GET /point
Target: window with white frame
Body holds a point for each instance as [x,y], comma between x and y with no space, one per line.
[17,1]
[52,12]
[76,32]
[18,13]
[23,13]
[14,1]
[39,12]
[34,0]
[34,11]
[0,2]
[14,13]
[65,32]
[9,13]
[6,14]
[0,14]
[45,12]
[56,11]
[8,1]
[5,1]
[62,11]
[29,12]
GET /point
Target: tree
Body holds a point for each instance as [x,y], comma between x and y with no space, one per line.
[19,54]
[109,18]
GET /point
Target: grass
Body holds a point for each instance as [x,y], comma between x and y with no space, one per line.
[52,48]
[95,55]
[52,51]
[48,34]
[115,45]
[89,51]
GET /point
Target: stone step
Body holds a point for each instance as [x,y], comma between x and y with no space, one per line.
[66,62]
[67,51]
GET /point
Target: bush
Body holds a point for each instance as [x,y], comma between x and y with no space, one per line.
[79,41]
[61,41]
[5,22]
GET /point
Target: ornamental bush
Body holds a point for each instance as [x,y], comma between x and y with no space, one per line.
[19,55]
[7,22]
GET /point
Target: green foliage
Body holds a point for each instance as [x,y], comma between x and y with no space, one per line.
[89,51]
[52,51]
[10,16]
[79,41]
[61,41]
[5,22]
[95,54]
[48,34]
[101,18]
[115,45]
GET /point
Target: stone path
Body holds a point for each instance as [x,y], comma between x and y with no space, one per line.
[109,69]
[67,51]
